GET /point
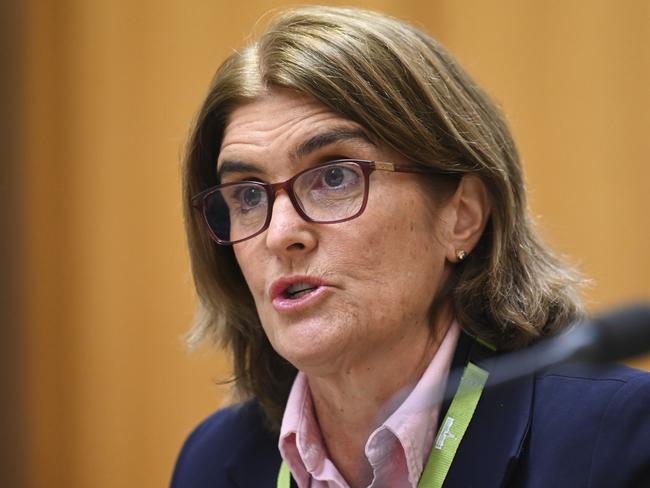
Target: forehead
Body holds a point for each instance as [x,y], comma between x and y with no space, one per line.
[283,123]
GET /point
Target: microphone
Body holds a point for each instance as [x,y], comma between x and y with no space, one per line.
[617,335]
[621,334]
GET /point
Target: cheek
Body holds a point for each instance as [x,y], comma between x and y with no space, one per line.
[411,255]
[251,263]
[412,235]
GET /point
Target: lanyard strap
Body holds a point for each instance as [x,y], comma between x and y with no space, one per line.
[450,433]
[284,476]
[453,428]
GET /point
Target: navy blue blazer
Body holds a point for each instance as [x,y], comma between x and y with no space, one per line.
[570,426]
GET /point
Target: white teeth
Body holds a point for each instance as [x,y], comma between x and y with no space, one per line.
[298,288]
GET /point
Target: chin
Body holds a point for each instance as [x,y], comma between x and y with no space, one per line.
[310,350]
[314,339]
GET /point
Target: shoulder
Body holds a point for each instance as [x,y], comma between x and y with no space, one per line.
[587,384]
[584,394]
[599,417]
[232,447]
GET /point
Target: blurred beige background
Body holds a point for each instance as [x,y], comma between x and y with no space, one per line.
[103,390]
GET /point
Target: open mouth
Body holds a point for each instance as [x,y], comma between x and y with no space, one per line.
[293,293]
[297,290]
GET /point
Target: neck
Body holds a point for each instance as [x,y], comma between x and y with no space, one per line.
[351,404]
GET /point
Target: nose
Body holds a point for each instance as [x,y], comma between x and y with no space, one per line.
[288,232]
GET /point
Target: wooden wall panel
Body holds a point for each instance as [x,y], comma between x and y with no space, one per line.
[113,86]
[13,347]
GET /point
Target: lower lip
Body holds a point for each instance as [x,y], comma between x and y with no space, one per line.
[285,305]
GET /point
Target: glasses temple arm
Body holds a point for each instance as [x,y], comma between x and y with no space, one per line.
[400,168]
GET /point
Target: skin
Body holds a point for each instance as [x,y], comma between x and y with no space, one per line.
[369,337]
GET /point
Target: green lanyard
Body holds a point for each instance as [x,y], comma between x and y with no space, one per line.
[451,431]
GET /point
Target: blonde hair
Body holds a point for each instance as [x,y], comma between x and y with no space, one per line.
[407,90]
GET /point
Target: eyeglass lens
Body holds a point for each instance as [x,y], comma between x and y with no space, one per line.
[325,194]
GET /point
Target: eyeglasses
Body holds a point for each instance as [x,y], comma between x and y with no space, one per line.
[330,193]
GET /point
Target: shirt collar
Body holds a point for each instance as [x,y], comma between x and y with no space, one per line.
[415,420]
[412,424]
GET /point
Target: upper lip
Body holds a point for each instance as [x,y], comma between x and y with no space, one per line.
[279,286]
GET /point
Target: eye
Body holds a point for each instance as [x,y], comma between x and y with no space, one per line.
[252,197]
[334,176]
[337,177]
[244,198]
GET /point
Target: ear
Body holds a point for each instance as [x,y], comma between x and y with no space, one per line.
[470,209]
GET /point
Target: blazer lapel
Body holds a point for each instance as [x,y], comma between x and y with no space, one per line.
[496,435]
[255,460]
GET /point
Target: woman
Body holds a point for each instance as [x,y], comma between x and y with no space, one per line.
[357,221]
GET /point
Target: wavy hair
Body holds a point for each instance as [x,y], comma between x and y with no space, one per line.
[407,90]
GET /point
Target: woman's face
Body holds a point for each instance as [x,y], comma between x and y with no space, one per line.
[370,280]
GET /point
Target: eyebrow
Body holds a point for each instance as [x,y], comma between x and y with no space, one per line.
[234,166]
[314,143]
[331,136]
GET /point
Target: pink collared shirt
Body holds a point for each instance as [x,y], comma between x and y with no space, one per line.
[397,450]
